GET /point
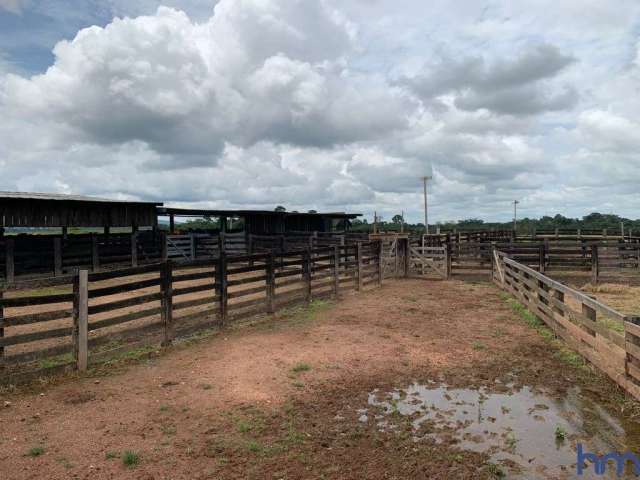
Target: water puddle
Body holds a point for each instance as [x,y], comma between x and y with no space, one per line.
[529,433]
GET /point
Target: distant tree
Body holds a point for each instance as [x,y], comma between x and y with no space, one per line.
[312,211]
[280,208]
[397,219]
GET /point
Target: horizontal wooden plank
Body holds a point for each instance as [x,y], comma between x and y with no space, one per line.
[128,317]
[122,288]
[127,302]
[36,300]
[35,336]
[28,319]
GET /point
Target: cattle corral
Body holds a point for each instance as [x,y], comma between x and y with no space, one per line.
[397,315]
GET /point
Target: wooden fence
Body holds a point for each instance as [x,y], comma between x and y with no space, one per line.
[589,327]
[82,318]
[601,259]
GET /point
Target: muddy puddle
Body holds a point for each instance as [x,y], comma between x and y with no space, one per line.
[527,433]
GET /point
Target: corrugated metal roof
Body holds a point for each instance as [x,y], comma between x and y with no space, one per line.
[65,197]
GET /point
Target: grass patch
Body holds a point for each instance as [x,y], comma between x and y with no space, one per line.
[560,433]
[56,361]
[206,386]
[301,367]
[478,345]
[563,353]
[130,459]
[35,451]
[110,455]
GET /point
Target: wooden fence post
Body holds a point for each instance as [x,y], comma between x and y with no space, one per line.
[80,330]
[407,257]
[380,260]
[222,285]
[594,265]
[10,265]
[306,273]
[95,257]
[542,258]
[134,249]
[271,281]
[83,320]
[164,247]
[1,328]
[336,270]
[591,314]
[192,245]
[448,262]
[166,302]
[359,266]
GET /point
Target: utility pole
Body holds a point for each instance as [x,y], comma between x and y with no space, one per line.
[515,211]
[426,217]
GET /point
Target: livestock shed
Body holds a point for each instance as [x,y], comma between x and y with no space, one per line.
[268,222]
[33,210]
[35,233]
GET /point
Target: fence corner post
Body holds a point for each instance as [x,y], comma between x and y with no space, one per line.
[80,332]
[166,301]
[448,255]
[192,245]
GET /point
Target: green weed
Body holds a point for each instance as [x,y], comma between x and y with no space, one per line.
[130,459]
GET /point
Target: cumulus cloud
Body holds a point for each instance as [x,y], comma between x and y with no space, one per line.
[507,86]
[336,105]
[250,73]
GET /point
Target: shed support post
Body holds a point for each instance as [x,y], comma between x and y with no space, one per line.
[10,266]
[57,256]
[95,257]
[172,224]
[166,286]
[134,248]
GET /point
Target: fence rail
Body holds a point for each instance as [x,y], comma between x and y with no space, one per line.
[93,314]
[605,337]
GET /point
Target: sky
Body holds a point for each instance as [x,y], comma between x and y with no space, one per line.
[332,105]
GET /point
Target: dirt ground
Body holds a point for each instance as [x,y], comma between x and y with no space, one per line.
[279,398]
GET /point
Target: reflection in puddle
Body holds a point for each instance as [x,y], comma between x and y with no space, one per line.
[534,433]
